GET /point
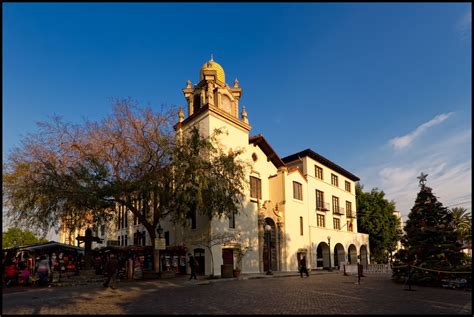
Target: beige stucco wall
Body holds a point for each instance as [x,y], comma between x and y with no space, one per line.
[315,235]
[277,203]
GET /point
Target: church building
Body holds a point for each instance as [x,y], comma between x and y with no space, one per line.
[295,206]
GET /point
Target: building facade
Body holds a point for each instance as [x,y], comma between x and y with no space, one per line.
[299,205]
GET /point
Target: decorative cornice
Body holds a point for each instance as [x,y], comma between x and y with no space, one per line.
[220,113]
[267,149]
[321,159]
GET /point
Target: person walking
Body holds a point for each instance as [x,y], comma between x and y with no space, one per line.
[25,274]
[110,270]
[192,266]
[303,268]
[43,269]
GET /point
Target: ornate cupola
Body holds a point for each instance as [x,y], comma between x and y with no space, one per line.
[212,92]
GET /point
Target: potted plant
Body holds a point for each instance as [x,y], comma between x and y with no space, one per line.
[240,253]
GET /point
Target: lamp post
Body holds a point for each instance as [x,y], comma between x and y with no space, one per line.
[268,230]
[159,230]
[329,243]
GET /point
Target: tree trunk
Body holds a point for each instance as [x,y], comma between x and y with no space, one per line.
[156,253]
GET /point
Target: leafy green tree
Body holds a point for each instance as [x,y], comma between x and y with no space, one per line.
[462,222]
[430,241]
[16,237]
[132,158]
[375,217]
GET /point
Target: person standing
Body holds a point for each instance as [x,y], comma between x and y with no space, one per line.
[43,269]
[192,266]
[110,270]
[11,274]
[303,268]
[25,274]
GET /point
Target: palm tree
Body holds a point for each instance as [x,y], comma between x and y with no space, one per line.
[462,221]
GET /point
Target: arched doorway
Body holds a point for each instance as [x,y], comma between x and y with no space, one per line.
[273,246]
[363,255]
[322,255]
[352,258]
[339,255]
[199,257]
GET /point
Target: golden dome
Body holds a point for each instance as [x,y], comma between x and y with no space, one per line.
[211,65]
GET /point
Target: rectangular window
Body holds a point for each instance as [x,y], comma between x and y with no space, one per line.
[334,180]
[126,239]
[321,222]
[301,225]
[318,172]
[123,216]
[349,226]
[139,210]
[125,211]
[193,219]
[348,186]
[255,187]
[118,218]
[348,209]
[297,191]
[335,205]
[336,223]
[145,209]
[319,200]
[232,220]
[167,238]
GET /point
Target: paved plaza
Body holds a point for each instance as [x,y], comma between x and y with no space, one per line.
[321,293]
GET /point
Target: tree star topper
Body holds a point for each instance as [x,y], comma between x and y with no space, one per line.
[422,178]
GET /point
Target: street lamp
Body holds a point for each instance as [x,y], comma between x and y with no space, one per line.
[329,242]
[268,230]
[159,230]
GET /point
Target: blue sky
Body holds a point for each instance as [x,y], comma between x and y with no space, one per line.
[383,90]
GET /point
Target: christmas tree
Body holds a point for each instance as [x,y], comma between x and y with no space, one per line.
[430,241]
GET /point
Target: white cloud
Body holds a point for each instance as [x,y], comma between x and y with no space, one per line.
[446,160]
[397,177]
[464,25]
[404,141]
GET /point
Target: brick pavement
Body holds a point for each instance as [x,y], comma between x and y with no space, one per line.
[321,293]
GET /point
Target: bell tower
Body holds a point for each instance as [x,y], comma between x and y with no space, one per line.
[212,94]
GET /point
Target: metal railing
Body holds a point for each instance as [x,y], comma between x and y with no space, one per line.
[322,207]
[350,214]
[337,210]
[377,268]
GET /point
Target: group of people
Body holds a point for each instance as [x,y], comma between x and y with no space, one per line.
[14,275]
[21,274]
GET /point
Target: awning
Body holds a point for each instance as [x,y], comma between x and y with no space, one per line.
[47,246]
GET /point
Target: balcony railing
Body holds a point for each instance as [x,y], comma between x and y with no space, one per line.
[337,210]
[350,214]
[322,207]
